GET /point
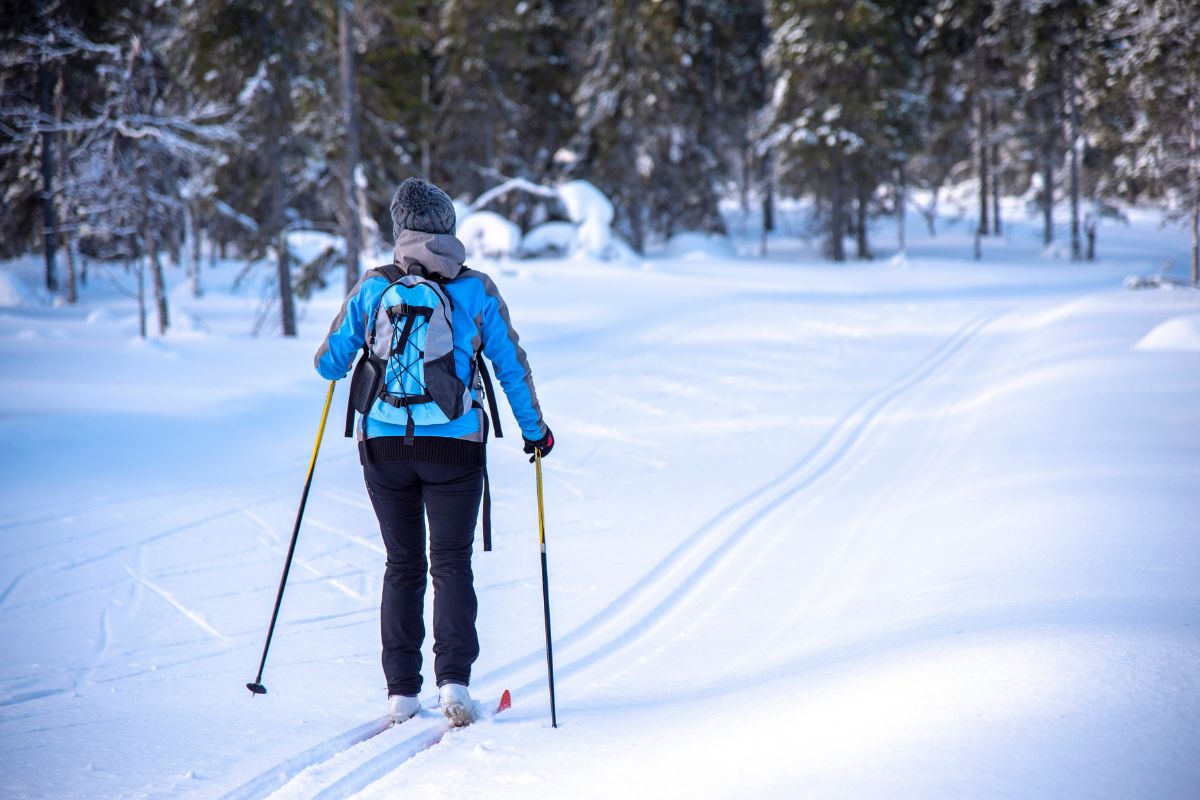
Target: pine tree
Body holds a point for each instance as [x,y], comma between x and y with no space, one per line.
[841,112]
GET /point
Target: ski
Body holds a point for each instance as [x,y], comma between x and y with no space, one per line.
[505,702]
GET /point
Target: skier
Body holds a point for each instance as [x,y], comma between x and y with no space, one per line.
[440,472]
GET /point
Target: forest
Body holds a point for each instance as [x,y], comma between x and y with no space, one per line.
[155,134]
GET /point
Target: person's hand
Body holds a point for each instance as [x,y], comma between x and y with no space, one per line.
[545,444]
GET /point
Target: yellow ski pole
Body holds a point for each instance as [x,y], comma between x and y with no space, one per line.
[256,687]
[537,457]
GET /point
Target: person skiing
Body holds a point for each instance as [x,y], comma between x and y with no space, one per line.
[435,470]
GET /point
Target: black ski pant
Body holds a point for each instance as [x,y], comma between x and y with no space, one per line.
[403,492]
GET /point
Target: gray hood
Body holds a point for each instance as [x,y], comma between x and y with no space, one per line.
[438,255]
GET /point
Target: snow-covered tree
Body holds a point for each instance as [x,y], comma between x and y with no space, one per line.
[1158,60]
[275,62]
[656,107]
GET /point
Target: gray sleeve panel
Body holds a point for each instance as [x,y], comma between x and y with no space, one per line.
[504,368]
[323,350]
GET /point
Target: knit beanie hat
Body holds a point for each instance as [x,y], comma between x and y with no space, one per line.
[420,206]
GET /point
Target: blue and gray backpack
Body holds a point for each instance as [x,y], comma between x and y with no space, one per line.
[406,374]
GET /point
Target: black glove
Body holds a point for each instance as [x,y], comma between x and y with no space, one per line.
[545,444]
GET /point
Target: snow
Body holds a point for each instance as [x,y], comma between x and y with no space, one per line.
[694,244]
[17,285]
[486,233]
[1177,333]
[12,294]
[822,531]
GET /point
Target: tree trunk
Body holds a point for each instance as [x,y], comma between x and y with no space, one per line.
[982,130]
[637,216]
[1048,189]
[837,217]
[61,203]
[351,223]
[930,212]
[860,223]
[1194,177]
[767,178]
[156,278]
[72,282]
[1196,245]
[141,297]
[1076,241]
[901,208]
[995,170]
[49,226]
[747,173]
[191,249]
[426,133]
[287,303]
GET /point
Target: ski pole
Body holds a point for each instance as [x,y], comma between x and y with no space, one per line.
[537,457]
[256,687]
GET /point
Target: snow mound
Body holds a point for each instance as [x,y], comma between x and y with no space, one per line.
[486,233]
[1177,333]
[549,239]
[696,245]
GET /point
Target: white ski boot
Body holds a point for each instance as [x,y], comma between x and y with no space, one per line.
[402,707]
[457,705]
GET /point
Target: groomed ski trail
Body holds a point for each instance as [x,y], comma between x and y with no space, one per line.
[350,762]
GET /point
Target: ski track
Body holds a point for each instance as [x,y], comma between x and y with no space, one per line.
[195,617]
[374,547]
[273,543]
[272,779]
[379,766]
[664,588]
[82,677]
[831,451]
[105,635]
[124,548]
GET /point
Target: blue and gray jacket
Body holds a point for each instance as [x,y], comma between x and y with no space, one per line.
[480,322]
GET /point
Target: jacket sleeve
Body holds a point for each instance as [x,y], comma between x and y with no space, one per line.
[349,329]
[501,346]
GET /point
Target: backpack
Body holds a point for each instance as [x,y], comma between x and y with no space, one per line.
[408,357]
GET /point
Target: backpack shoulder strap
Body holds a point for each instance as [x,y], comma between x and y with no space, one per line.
[389,272]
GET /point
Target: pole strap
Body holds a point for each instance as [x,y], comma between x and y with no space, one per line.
[490,393]
[487,493]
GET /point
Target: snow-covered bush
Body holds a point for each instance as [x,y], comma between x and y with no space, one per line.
[549,239]
[486,233]
[592,212]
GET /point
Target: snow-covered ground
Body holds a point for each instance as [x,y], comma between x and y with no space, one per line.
[814,530]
